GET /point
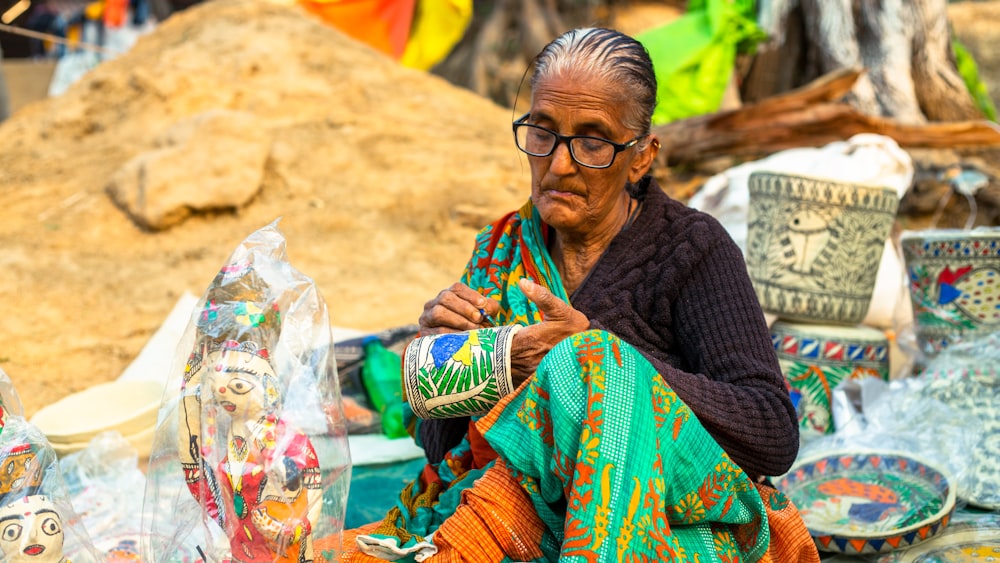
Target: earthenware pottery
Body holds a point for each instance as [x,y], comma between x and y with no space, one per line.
[129,407]
[458,374]
[869,502]
[141,441]
[816,358]
[814,246]
[31,531]
[954,284]
[974,539]
[975,393]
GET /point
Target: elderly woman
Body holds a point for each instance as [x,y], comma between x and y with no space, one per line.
[638,313]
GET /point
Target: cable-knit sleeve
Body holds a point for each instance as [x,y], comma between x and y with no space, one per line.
[735,386]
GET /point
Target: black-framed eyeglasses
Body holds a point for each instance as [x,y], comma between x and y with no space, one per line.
[592,152]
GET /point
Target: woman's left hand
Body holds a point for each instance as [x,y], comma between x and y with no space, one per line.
[532,342]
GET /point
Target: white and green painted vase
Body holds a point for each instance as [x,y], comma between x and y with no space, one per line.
[458,374]
[814,246]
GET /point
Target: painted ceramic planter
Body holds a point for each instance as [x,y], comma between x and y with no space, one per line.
[458,374]
[869,502]
[814,246]
[954,280]
[816,358]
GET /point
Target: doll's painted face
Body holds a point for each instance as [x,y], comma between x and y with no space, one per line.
[242,383]
[31,531]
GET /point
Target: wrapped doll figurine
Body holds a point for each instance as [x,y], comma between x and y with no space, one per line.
[31,531]
[264,491]
[250,461]
[37,521]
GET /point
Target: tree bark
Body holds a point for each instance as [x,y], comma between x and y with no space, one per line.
[4,93]
[904,45]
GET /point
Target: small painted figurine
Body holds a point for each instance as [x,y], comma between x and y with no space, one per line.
[31,531]
[265,491]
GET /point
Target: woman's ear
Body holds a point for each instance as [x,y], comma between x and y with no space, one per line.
[644,158]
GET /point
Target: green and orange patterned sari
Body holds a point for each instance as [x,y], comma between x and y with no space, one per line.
[594,458]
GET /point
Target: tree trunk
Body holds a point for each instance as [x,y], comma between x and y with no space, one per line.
[4,94]
[904,46]
[504,36]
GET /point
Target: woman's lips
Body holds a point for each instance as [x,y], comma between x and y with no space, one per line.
[34,549]
[560,193]
[229,406]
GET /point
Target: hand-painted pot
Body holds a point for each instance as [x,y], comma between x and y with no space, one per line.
[458,374]
[816,358]
[814,246]
[954,280]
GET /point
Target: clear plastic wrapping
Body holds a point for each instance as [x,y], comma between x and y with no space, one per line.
[965,377]
[37,520]
[250,461]
[947,417]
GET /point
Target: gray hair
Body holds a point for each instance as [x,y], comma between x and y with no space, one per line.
[609,55]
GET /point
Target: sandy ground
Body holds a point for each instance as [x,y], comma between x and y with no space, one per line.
[380,175]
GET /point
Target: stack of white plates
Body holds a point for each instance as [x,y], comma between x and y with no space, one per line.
[129,407]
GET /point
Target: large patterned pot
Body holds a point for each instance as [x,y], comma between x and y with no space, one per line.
[816,358]
[814,246]
[954,284]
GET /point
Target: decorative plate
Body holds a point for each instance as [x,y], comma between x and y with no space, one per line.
[963,542]
[869,502]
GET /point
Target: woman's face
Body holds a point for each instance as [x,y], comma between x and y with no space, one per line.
[572,198]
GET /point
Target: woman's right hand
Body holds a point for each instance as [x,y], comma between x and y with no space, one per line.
[456,309]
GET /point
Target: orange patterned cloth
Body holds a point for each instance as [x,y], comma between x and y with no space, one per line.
[790,540]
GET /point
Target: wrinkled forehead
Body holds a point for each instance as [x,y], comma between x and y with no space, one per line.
[582,94]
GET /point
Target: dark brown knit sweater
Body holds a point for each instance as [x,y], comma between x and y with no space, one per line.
[675,286]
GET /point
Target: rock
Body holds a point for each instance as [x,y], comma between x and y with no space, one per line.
[211,162]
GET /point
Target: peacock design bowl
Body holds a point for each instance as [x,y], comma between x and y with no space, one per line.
[954,282]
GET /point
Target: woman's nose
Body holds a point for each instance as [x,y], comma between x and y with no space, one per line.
[562,161]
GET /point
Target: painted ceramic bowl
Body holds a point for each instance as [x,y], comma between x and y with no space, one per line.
[954,280]
[816,358]
[869,502]
[814,246]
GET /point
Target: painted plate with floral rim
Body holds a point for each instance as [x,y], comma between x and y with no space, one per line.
[971,538]
[865,502]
